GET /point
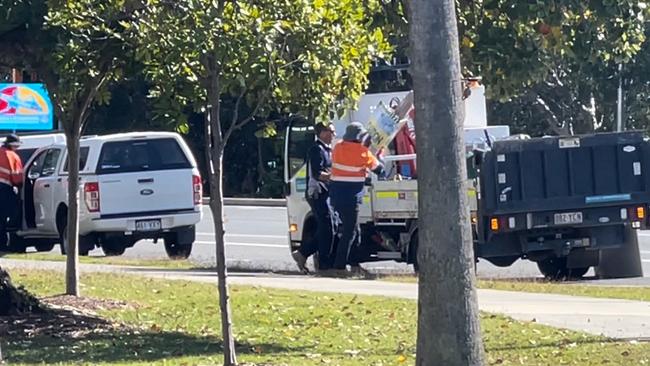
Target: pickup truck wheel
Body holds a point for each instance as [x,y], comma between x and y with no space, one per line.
[113,247]
[63,235]
[44,247]
[16,244]
[5,248]
[177,251]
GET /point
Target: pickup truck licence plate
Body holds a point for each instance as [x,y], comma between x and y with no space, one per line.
[148,225]
[568,218]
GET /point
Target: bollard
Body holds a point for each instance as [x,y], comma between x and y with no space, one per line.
[623,262]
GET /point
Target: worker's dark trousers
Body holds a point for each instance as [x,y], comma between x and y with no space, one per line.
[322,241]
[348,211]
[7,210]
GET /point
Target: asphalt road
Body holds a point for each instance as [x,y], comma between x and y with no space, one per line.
[257,240]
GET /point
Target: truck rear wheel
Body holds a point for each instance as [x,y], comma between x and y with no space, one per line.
[556,269]
[503,261]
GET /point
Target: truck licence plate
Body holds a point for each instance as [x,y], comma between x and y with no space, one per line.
[148,225]
[568,218]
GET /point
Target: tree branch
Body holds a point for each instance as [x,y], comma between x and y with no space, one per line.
[235,115]
[237,126]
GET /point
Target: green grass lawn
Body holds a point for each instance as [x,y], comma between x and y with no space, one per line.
[543,286]
[180,326]
[121,261]
[532,285]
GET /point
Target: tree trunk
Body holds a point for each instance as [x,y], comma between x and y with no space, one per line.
[214,144]
[261,171]
[448,317]
[216,206]
[72,222]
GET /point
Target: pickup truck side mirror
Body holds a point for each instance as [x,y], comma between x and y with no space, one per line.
[33,175]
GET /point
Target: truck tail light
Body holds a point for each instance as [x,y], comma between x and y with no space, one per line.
[197,188]
[494,224]
[640,212]
[91,196]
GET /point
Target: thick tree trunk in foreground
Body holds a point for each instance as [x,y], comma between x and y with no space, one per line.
[448,318]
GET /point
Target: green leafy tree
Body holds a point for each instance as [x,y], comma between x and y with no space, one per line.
[77,49]
[296,56]
[556,60]
[87,55]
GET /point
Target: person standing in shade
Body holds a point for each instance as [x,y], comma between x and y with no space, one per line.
[11,178]
[351,161]
[319,164]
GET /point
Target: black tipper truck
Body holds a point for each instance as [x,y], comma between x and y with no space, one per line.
[562,201]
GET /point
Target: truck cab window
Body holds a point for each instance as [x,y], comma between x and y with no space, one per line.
[300,139]
[50,162]
[83,158]
[36,166]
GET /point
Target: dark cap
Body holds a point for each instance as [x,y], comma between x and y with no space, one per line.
[12,140]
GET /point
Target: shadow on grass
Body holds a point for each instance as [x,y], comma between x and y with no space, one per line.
[554,345]
[121,347]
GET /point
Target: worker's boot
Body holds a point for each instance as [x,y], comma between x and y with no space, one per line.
[301,261]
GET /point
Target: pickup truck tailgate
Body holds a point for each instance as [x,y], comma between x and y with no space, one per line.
[152,176]
[140,192]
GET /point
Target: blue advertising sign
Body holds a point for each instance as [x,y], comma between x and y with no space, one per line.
[25,107]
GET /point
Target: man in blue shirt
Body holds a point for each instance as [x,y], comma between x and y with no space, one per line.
[319,165]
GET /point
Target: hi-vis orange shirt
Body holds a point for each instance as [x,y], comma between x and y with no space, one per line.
[11,168]
[351,162]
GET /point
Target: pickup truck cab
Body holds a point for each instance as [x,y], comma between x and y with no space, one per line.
[133,186]
[32,142]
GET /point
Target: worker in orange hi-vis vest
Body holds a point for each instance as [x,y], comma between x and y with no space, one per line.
[351,161]
[11,177]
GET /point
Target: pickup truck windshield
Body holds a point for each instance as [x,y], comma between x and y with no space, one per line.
[141,155]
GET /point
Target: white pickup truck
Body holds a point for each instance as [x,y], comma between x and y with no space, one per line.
[133,186]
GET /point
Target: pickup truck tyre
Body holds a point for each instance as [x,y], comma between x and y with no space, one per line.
[63,235]
[5,248]
[16,244]
[44,247]
[177,251]
[113,247]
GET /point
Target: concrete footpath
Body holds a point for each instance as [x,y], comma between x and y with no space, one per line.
[623,319]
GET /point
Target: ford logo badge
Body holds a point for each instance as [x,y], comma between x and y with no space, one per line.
[146,192]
